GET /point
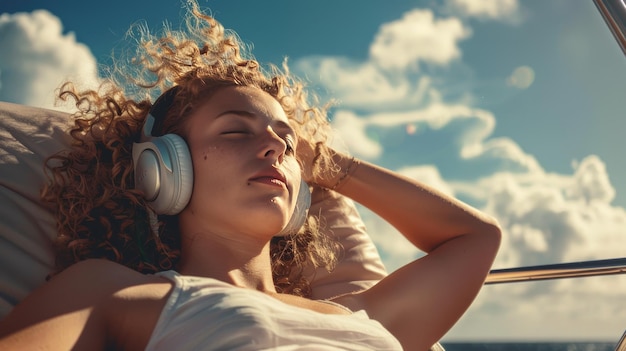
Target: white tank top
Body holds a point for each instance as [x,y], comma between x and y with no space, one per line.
[208,314]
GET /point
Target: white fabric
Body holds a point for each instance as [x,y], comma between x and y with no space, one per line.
[360,266]
[208,314]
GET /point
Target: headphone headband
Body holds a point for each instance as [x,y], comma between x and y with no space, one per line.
[153,126]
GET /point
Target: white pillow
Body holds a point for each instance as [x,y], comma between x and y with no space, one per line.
[27,136]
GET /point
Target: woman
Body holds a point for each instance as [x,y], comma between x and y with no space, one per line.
[210,272]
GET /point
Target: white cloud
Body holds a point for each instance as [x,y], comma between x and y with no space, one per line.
[551,218]
[36,57]
[389,77]
[544,221]
[418,37]
[363,84]
[458,131]
[506,151]
[351,133]
[570,310]
[438,115]
[500,10]
[591,182]
[532,238]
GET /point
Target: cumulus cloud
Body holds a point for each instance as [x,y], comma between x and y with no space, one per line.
[571,310]
[351,133]
[591,182]
[546,218]
[456,135]
[552,218]
[362,84]
[498,10]
[418,37]
[36,57]
[395,75]
[510,156]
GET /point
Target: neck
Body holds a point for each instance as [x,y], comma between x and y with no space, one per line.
[244,263]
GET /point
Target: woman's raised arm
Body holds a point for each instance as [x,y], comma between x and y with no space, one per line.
[422,300]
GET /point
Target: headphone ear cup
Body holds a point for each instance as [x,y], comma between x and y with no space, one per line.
[164,173]
[300,213]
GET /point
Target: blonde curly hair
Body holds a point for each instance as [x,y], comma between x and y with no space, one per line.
[91,187]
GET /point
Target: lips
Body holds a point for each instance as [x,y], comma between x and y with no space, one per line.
[271,177]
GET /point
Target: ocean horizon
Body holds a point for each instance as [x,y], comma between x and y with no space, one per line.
[529,346]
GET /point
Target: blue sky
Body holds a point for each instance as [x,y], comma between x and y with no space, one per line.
[513,106]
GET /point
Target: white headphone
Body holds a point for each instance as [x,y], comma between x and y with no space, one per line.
[164,171]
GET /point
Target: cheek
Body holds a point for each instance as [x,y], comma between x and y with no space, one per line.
[205,163]
[208,151]
[209,154]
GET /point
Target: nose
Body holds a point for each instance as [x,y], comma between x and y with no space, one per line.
[273,146]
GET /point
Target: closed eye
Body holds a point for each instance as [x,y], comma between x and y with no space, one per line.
[291,147]
[235,132]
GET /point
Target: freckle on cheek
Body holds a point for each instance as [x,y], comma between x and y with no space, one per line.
[205,156]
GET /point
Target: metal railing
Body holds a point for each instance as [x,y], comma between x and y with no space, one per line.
[558,271]
[614,14]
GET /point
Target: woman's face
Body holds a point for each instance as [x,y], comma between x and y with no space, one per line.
[246,176]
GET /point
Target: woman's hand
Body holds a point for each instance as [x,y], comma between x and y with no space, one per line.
[323,166]
[319,163]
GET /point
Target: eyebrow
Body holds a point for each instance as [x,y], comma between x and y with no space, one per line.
[249,115]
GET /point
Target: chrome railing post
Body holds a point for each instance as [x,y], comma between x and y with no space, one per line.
[557,271]
[614,14]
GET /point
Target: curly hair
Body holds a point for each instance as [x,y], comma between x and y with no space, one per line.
[100,214]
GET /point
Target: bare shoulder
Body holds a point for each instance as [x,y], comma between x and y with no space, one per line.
[83,306]
[99,270]
[132,301]
[95,281]
[103,278]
